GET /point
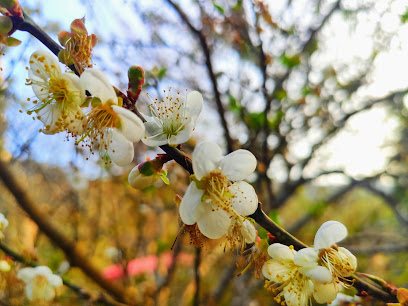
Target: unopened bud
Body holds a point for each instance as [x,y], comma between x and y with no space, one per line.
[144,175]
[11,8]
[136,80]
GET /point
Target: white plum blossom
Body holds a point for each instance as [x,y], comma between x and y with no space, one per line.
[59,95]
[40,282]
[3,225]
[288,281]
[338,260]
[218,198]
[172,119]
[110,126]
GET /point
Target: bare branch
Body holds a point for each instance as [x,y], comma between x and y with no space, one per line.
[207,53]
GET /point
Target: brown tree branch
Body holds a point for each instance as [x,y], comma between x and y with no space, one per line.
[74,255]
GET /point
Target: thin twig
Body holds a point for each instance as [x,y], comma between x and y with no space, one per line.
[196,300]
[207,53]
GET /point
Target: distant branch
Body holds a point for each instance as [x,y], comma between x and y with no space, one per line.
[78,290]
[207,53]
[76,258]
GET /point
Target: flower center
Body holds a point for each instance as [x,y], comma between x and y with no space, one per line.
[293,287]
[40,286]
[170,113]
[215,186]
[79,49]
[338,264]
[101,119]
[58,90]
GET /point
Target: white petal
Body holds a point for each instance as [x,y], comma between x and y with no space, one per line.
[49,116]
[183,135]
[43,270]
[37,67]
[349,262]
[120,150]
[154,135]
[97,83]
[244,198]
[29,291]
[318,273]
[306,257]
[325,293]
[205,158]
[248,231]
[189,203]
[55,280]
[76,125]
[238,165]
[26,274]
[329,233]
[194,104]
[279,251]
[272,269]
[212,223]
[131,125]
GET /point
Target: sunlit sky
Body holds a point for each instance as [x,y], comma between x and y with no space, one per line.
[360,148]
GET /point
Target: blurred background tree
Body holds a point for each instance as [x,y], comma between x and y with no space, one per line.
[314,89]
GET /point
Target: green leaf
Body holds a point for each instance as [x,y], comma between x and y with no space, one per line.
[404,17]
[218,8]
[262,233]
[273,214]
[163,176]
[256,120]
[234,106]
[162,73]
[274,123]
[290,61]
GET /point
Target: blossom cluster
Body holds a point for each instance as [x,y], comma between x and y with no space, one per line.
[318,271]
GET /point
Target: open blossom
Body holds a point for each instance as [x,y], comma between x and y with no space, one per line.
[218,198]
[109,125]
[3,225]
[78,46]
[172,119]
[40,282]
[338,260]
[288,281]
[60,95]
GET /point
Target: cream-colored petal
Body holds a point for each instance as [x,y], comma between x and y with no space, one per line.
[183,135]
[274,269]
[317,273]
[325,293]
[306,257]
[212,223]
[238,165]
[120,150]
[49,115]
[131,125]
[248,231]
[244,198]
[97,83]
[329,233]
[26,274]
[55,280]
[154,135]
[189,204]
[349,262]
[280,251]
[194,105]
[205,158]
[39,59]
